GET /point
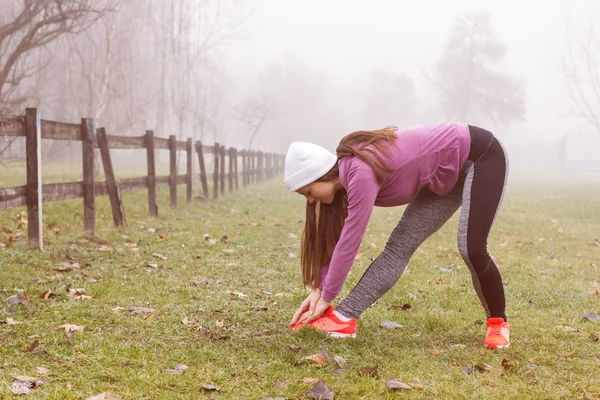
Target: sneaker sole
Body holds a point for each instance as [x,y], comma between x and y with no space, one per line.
[338,335]
[498,347]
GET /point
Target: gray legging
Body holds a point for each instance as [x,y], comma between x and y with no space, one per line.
[480,190]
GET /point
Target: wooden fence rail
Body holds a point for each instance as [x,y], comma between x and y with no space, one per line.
[256,167]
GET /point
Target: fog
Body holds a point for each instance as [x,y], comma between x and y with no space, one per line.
[262,73]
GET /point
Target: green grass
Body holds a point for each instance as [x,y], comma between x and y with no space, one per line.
[545,240]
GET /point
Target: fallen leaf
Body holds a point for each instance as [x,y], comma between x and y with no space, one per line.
[569,354]
[310,381]
[280,385]
[42,370]
[220,324]
[224,239]
[24,384]
[391,325]
[210,388]
[103,396]
[592,317]
[403,307]
[186,321]
[434,352]
[19,298]
[78,294]
[318,358]
[33,346]
[506,365]
[339,371]
[105,248]
[138,310]
[292,255]
[341,362]
[158,255]
[569,329]
[200,283]
[396,385]
[151,230]
[531,303]
[72,327]
[594,337]
[155,266]
[10,321]
[178,370]
[321,391]
[47,295]
[282,294]
[150,318]
[373,372]
[238,294]
[296,348]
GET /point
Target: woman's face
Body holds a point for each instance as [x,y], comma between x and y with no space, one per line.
[323,191]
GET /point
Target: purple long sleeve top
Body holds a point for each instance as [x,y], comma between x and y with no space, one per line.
[427,156]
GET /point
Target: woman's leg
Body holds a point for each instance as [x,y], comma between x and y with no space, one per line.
[482,196]
[422,217]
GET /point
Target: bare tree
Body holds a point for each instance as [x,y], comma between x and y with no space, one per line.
[254,113]
[31,26]
[468,77]
[26,29]
[581,73]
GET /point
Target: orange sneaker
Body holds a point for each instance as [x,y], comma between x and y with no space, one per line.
[498,332]
[332,325]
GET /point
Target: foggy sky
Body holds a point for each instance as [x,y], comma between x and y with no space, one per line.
[348,39]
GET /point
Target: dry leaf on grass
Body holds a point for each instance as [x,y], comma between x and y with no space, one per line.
[178,370]
[10,321]
[238,294]
[310,381]
[391,325]
[209,388]
[224,239]
[19,298]
[47,295]
[318,358]
[396,385]
[42,370]
[321,391]
[139,310]
[592,317]
[341,362]
[280,385]
[103,396]
[506,365]
[434,352]
[23,384]
[372,372]
[158,255]
[78,294]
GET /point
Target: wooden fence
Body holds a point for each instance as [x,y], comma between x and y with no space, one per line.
[256,166]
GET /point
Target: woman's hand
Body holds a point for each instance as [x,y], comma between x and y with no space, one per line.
[307,308]
[320,308]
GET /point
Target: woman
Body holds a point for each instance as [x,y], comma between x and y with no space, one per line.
[432,168]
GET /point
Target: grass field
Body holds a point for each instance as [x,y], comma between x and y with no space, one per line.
[222,306]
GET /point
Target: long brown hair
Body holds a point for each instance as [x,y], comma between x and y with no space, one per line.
[324,222]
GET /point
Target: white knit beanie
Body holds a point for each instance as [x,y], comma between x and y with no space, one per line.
[305,163]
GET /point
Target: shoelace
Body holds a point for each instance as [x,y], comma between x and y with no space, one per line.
[495,330]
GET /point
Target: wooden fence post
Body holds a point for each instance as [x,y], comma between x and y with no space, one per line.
[116,203]
[235,167]
[152,204]
[230,176]
[190,177]
[89,195]
[222,148]
[33,132]
[216,172]
[173,170]
[202,169]
[244,169]
[253,166]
